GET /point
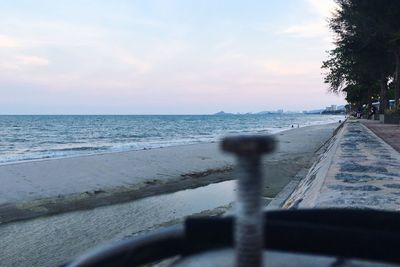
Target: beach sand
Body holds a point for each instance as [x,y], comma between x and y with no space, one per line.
[37,188]
[52,240]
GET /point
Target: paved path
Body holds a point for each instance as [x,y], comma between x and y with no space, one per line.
[360,170]
[390,133]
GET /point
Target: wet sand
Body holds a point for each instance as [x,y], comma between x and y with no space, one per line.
[33,189]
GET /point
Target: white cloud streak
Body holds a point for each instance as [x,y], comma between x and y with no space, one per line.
[307,29]
[9,42]
[323,9]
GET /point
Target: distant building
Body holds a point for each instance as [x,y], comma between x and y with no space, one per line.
[333,109]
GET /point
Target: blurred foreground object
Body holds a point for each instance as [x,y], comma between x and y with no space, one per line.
[249,220]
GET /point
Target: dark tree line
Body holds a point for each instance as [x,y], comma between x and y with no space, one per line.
[365,63]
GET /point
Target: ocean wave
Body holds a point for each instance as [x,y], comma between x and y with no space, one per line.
[124,133]
[77,148]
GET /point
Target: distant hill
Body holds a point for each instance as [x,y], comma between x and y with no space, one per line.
[223,113]
[266,112]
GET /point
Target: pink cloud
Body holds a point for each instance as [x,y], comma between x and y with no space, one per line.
[32,60]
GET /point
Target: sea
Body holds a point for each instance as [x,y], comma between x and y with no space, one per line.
[35,137]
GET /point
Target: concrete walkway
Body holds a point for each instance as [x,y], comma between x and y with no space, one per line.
[390,133]
[359,170]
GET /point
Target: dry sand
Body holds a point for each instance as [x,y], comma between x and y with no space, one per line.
[37,188]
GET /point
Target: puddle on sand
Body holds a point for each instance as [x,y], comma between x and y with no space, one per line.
[153,212]
[156,211]
[90,228]
[53,240]
[194,200]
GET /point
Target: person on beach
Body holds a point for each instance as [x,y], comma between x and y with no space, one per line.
[372,113]
[359,112]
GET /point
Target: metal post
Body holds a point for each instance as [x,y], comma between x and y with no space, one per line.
[249,220]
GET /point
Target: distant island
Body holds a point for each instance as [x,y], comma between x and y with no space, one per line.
[331,110]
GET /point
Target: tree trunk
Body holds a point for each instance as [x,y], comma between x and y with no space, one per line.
[369,97]
[383,102]
[397,79]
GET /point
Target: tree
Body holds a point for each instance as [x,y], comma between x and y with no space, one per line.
[366,38]
[393,29]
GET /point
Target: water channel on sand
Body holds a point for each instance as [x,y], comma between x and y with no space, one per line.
[49,241]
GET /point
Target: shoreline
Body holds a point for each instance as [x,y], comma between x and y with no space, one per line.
[214,140]
[157,171]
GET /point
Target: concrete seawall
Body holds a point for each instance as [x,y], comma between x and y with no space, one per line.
[358,170]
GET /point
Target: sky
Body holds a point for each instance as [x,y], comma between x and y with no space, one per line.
[163,56]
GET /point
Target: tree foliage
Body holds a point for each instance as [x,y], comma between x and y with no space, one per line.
[367,50]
